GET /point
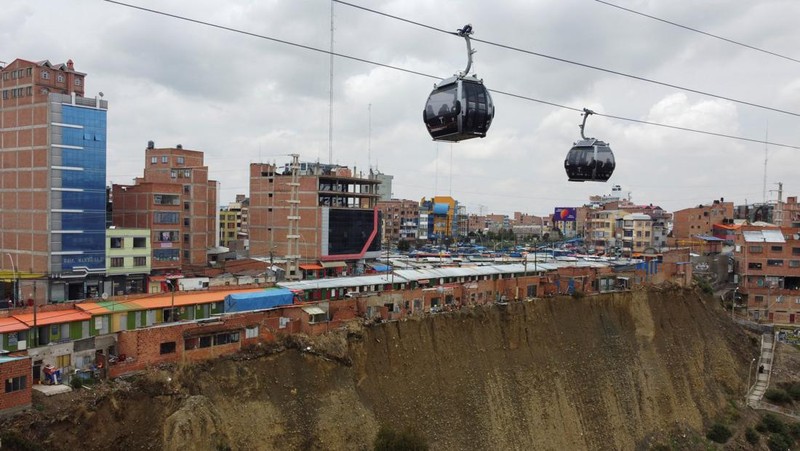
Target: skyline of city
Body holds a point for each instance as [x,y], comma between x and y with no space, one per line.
[242,99]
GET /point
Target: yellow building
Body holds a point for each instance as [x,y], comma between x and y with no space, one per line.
[602,231]
[128,253]
[637,233]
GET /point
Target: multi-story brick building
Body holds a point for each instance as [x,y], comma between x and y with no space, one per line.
[400,220]
[322,217]
[52,181]
[16,374]
[700,220]
[178,203]
[767,266]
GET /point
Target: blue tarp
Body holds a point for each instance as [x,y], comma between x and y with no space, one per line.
[380,268]
[440,209]
[243,302]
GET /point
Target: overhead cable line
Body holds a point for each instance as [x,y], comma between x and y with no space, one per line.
[575,63]
[731,41]
[422,74]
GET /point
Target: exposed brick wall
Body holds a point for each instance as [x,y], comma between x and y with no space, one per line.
[14,401]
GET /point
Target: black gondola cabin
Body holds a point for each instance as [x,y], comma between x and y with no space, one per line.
[589,160]
[459,108]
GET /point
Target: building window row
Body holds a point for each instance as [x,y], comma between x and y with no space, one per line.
[17,92]
[16,383]
[20,73]
[207,341]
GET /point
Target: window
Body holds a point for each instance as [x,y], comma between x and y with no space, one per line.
[29,91]
[191,343]
[28,72]
[117,262]
[756,249]
[774,262]
[173,174]
[776,248]
[63,360]
[205,342]
[186,222]
[754,266]
[165,255]
[794,263]
[16,384]
[60,78]
[139,261]
[166,199]
[139,242]
[167,236]
[222,339]
[251,332]
[187,189]
[116,242]
[180,160]
[168,347]
[78,81]
[186,206]
[45,75]
[165,217]
[186,255]
[759,298]
[796,251]
[185,237]
[187,173]
[164,159]
[153,160]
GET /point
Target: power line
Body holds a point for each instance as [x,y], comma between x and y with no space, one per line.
[731,41]
[422,74]
[575,63]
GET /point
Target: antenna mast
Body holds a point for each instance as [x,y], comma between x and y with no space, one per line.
[369,138]
[330,105]
[766,156]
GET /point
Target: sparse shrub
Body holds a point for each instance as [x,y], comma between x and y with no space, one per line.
[778,395]
[773,424]
[751,436]
[390,440]
[793,389]
[704,285]
[779,442]
[794,430]
[76,383]
[719,433]
[11,439]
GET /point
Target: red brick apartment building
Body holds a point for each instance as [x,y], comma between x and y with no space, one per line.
[52,182]
[767,263]
[16,374]
[178,203]
[400,220]
[323,217]
[700,220]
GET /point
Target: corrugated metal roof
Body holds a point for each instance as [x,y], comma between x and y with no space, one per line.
[763,236]
[54,317]
[8,325]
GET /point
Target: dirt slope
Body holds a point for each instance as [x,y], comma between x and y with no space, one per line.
[621,371]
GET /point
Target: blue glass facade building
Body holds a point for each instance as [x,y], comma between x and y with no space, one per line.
[78,189]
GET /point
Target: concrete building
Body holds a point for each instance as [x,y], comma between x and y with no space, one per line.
[233,221]
[637,234]
[603,231]
[439,219]
[400,220]
[128,259]
[178,203]
[53,172]
[385,187]
[320,216]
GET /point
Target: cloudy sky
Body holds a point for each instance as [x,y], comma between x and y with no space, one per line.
[243,99]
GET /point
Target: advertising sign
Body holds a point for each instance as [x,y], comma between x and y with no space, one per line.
[565,214]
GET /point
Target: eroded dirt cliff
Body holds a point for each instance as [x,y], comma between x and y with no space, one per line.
[620,371]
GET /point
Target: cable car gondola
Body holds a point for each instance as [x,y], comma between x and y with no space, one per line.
[589,160]
[459,107]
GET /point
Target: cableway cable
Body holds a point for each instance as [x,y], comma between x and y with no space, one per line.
[422,74]
[731,41]
[575,63]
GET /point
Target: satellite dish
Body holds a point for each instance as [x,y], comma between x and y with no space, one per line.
[104,296]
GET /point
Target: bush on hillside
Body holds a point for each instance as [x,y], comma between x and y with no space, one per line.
[751,436]
[794,430]
[390,440]
[773,424]
[778,396]
[704,285]
[719,433]
[779,442]
[793,389]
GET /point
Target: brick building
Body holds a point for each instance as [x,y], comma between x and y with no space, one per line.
[767,265]
[700,220]
[400,220]
[233,221]
[53,175]
[178,203]
[16,374]
[322,217]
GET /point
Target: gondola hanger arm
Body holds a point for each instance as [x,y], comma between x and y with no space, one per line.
[586,113]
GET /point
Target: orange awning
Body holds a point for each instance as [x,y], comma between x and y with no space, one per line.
[54,317]
[8,325]
[311,267]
